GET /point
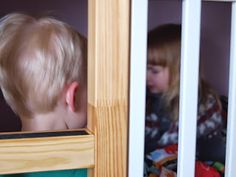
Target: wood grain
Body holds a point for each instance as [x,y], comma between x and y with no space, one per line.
[47,153]
[108,78]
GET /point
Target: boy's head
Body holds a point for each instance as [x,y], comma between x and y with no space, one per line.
[163,58]
[42,67]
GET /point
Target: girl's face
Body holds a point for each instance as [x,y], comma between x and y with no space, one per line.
[157,78]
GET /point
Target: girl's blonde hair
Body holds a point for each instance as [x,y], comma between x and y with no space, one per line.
[164,46]
[38,58]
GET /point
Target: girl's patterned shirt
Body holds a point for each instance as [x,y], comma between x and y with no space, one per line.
[161,132]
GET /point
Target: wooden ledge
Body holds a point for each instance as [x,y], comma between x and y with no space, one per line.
[31,152]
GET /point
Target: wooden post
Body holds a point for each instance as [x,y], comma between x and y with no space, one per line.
[108,78]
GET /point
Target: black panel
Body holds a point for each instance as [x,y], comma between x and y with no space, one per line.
[42,134]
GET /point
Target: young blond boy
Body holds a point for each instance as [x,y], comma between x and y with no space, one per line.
[43,72]
[43,76]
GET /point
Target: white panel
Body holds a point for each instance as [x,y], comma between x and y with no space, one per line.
[231,127]
[137,87]
[189,87]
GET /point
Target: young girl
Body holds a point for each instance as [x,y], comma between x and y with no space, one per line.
[163,76]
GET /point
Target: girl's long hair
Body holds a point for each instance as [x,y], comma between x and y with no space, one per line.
[164,46]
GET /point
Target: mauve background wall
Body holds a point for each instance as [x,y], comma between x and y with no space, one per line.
[215,36]
[73,12]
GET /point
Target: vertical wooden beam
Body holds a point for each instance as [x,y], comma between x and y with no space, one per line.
[108,73]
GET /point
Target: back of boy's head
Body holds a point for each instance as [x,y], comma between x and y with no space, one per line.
[38,58]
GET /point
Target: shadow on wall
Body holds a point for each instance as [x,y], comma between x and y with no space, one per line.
[73,12]
[8,120]
[215,44]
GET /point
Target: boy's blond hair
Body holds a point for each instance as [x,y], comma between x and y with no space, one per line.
[38,58]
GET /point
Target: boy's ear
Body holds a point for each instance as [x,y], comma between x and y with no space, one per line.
[71,95]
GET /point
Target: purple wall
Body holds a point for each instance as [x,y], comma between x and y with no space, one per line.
[73,12]
[215,36]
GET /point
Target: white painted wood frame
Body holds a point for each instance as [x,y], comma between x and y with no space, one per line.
[189,73]
[137,87]
[230,169]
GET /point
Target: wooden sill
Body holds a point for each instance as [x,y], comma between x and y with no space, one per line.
[45,151]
